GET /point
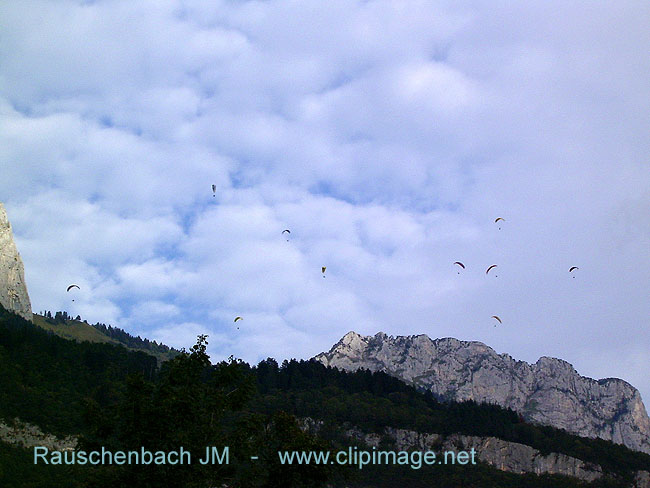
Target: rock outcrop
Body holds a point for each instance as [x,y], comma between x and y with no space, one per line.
[642,479]
[520,459]
[13,291]
[506,456]
[548,392]
[28,435]
[511,457]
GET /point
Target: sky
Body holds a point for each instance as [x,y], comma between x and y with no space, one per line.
[386,135]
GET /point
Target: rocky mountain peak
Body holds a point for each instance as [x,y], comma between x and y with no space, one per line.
[13,291]
[550,391]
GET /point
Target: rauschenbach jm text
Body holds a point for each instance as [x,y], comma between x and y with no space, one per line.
[352,456]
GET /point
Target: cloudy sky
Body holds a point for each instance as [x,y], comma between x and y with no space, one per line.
[386,135]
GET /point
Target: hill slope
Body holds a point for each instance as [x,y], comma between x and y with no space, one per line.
[77,330]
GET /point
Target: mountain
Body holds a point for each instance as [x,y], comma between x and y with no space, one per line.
[549,392]
[13,291]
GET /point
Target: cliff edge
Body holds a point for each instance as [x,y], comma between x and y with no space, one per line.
[13,291]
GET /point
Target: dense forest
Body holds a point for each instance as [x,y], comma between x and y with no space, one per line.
[45,379]
[121,400]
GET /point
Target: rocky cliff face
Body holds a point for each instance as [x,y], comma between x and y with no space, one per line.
[549,392]
[28,435]
[506,456]
[13,292]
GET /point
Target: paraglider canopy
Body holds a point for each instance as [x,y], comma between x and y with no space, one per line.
[499,219]
[323,270]
[496,317]
[236,319]
[572,268]
[286,231]
[460,264]
[488,270]
[71,287]
[214,190]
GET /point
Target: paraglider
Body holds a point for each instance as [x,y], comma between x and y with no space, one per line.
[496,317]
[499,219]
[287,231]
[488,270]
[71,287]
[323,270]
[459,264]
[214,190]
[572,268]
[236,319]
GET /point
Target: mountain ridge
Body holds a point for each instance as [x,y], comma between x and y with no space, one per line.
[549,391]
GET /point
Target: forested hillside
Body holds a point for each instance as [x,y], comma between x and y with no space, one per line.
[121,400]
[45,379]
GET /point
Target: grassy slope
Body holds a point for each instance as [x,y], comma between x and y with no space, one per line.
[74,330]
[80,331]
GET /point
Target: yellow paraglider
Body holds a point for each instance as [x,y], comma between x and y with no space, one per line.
[323,270]
[236,319]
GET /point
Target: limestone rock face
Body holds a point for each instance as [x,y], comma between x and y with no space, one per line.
[519,458]
[29,436]
[642,479]
[506,456]
[13,291]
[549,392]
